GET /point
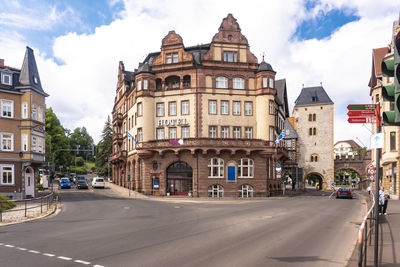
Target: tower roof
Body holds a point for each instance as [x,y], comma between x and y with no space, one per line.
[29,72]
[313,96]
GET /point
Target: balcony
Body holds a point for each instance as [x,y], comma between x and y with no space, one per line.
[119,155]
[118,118]
[118,137]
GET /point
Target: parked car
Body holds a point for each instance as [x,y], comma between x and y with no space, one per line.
[98,182]
[82,184]
[80,178]
[65,183]
[344,192]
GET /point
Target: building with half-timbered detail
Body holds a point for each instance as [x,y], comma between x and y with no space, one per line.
[199,120]
[22,127]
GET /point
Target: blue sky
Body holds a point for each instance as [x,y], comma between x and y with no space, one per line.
[80,43]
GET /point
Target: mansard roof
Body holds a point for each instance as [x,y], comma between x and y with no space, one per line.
[313,96]
[29,72]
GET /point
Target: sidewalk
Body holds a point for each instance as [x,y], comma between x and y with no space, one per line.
[389,240]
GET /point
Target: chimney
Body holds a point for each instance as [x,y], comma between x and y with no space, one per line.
[1,62]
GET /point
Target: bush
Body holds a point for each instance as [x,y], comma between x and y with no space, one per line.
[77,170]
[79,161]
[39,187]
[6,205]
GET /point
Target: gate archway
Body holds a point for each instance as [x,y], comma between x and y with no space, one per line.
[315,180]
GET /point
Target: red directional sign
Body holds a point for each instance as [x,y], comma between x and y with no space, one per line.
[362,113]
[361,119]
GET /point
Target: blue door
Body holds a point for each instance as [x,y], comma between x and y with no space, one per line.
[231,173]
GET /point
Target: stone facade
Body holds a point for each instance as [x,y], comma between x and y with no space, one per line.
[198,106]
[314,124]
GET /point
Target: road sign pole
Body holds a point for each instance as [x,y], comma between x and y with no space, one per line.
[378,152]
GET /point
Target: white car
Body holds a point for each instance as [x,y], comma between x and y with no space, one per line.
[98,182]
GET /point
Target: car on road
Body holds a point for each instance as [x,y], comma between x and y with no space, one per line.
[65,183]
[80,178]
[344,192]
[82,184]
[98,182]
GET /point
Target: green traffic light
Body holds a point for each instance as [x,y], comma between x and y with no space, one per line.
[388,92]
[388,67]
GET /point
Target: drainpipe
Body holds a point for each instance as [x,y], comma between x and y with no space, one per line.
[197,125]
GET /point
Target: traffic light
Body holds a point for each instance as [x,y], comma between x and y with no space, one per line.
[391,92]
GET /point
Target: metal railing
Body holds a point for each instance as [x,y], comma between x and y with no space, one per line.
[365,233]
[27,208]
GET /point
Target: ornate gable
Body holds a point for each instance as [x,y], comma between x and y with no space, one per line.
[229,32]
[172,43]
[38,129]
[172,39]
[121,74]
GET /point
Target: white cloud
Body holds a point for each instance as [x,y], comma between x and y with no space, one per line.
[82,90]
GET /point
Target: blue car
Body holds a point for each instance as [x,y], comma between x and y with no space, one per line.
[65,183]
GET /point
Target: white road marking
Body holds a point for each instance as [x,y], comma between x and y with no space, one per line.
[48,254]
[23,249]
[83,262]
[98,265]
[64,258]
[9,246]
[34,251]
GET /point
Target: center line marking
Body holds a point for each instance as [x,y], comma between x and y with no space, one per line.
[64,258]
[23,249]
[48,254]
[83,262]
[9,246]
[34,251]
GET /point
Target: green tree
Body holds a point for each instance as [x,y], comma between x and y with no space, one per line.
[80,137]
[55,141]
[104,148]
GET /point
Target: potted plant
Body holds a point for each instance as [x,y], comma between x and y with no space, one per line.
[168,191]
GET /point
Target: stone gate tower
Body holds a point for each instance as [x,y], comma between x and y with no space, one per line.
[313,115]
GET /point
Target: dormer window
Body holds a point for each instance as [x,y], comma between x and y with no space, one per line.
[230,56]
[35,80]
[172,58]
[314,99]
[229,37]
[6,78]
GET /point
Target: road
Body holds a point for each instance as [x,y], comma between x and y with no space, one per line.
[100,228]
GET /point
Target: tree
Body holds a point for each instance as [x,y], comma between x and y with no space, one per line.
[55,141]
[80,137]
[104,148]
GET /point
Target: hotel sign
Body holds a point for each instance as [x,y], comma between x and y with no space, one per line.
[172,122]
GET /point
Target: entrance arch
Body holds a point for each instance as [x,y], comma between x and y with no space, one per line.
[179,178]
[314,180]
[348,177]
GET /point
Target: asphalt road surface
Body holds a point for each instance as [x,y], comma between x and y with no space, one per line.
[98,228]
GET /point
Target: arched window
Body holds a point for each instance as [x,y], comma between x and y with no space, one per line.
[24,110]
[216,168]
[246,168]
[158,84]
[246,191]
[314,157]
[221,82]
[215,191]
[186,81]
[172,82]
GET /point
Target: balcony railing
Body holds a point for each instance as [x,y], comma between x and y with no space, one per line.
[118,137]
[118,118]
[118,155]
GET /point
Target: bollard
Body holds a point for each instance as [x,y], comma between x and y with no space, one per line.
[25,207]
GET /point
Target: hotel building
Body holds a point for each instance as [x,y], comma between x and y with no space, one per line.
[199,120]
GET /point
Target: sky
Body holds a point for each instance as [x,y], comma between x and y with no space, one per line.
[78,45]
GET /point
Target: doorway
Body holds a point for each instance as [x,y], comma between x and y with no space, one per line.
[29,183]
[179,178]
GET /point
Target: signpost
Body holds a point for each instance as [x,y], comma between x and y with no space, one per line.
[362,113]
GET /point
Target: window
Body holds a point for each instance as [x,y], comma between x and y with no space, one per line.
[186,81]
[160,109]
[172,108]
[271,108]
[236,132]
[34,112]
[312,131]
[7,107]
[216,168]
[246,191]
[271,133]
[172,133]
[248,108]
[139,135]
[6,79]
[245,168]
[7,141]
[314,98]
[225,131]
[314,158]
[271,83]
[288,143]
[310,117]
[264,82]
[224,107]
[7,174]
[185,107]
[221,82]
[24,110]
[24,143]
[230,56]
[377,98]
[139,109]
[215,191]
[238,83]
[236,108]
[40,145]
[185,132]
[314,117]
[212,107]
[34,143]
[175,58]
[248,132]
[145,85]
[139,85]
[160,133]
[212,132]
[168,59]
[40,113]
[229,37]
[392,141]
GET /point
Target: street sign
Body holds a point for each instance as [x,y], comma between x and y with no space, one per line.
[372,177]
[361,119]
[361,107]
[370,166]
[278,165]
[362,113]
[371,171]
[377,140]
[333,184]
